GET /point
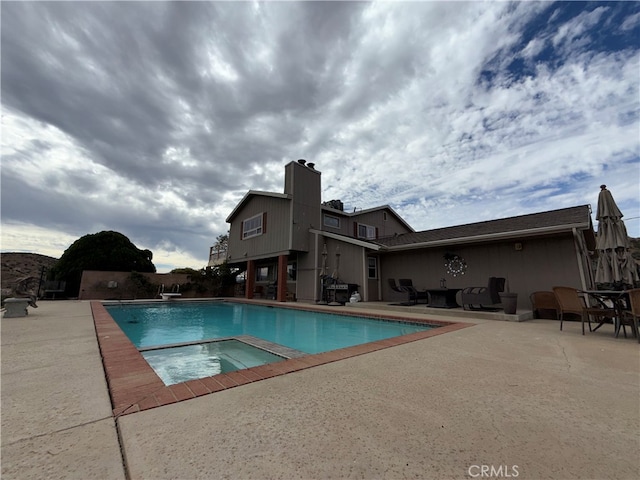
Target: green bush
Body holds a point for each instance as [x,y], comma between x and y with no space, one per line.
[103,251]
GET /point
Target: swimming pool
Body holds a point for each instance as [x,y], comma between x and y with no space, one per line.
[191,340]
[167,323]
[134,386]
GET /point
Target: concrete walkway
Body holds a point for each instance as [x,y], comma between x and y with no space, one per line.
[56,412]
[513,399]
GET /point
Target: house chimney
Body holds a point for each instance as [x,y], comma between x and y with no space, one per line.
[311,165]
[302,161]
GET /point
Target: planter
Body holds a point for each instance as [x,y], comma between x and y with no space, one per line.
[509,302]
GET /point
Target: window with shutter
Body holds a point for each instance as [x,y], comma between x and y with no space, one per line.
[366,231]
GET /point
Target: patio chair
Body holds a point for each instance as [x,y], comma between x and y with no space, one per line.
[483,298]
[414,293]
[544,305]
[272,290]
[53,287]
[570,302]
[394,286]
[632,316]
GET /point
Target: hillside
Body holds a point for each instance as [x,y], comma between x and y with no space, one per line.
[16,265]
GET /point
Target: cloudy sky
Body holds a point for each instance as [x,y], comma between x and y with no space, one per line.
[154,119]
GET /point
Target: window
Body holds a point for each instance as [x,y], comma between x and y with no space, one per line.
[372,267]
[266,274]
[366,231]
[252,227]
[292,270]
[331,221]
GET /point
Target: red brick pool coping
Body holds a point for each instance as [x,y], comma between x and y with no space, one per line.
[134,386]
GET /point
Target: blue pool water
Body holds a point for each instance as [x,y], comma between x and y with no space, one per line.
[310,332]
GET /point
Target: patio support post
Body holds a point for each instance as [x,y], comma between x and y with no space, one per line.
[250,282]
[281,296]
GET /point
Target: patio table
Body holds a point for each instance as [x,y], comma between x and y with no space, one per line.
[619,299]
[443,297]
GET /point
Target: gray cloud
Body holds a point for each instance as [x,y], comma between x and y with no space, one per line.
[154,118]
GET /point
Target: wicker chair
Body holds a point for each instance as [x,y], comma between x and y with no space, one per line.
[632,317]
[483,298]
[394,286]
[414,293]
[544,305]
[570,302]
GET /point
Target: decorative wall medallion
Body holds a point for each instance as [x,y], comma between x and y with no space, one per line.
[455,265]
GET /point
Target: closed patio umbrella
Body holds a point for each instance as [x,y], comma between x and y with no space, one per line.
[334,276]
[325,254]
[615,268]
[336,272]
[323,276]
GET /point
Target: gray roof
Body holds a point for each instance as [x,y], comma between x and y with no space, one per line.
[255,193]
[554,221]
[355,214]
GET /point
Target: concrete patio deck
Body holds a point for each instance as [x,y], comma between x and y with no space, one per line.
[521,399]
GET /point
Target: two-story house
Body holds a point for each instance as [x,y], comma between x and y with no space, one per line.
[290,242]
[295,237]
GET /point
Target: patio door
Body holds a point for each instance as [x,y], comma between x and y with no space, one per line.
[372,278]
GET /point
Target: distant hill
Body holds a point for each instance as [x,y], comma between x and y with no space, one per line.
[16,265]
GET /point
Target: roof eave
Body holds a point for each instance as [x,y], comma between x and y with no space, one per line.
[351,240]
[566,228]
[254,193]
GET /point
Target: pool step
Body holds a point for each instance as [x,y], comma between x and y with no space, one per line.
[271,347]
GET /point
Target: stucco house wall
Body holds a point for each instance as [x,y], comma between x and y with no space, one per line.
[99,285]
[307,276]
[277,228]
[384,219]
[302,183]
[540,264]
[345,228]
